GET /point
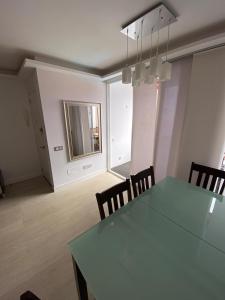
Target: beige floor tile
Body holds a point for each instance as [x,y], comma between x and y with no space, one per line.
[35,227]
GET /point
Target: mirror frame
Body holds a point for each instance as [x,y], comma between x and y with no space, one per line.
[66,105]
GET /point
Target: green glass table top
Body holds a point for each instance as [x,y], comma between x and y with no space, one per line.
[143,252]
[198,210]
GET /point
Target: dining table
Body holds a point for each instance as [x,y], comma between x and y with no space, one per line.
[167,243]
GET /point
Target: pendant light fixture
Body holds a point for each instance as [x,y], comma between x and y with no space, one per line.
[166,68]
[148,24]
[154,61]
[158,61]
[149,78]
[136,77]
[140,66]
[126,72]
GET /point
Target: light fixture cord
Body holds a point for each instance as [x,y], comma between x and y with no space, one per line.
[137,48]
[157,51]
[168,40]
[142,22]
[150,53]
[127,45]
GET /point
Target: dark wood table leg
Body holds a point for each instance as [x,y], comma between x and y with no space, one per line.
[81,282]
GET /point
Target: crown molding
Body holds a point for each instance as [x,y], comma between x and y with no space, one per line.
[198,46]
[29,64]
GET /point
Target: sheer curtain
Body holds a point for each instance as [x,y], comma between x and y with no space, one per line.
[190,121]
[203,134]
[173,102]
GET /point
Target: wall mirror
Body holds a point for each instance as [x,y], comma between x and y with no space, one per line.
[83,128]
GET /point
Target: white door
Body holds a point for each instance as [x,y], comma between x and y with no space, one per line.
[40,133]
[120,127]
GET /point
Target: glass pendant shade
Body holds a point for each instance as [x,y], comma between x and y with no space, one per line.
[126,75]
[135,82]
[139,71]
[153,66]
[165,71]
[148,78]
[158,69]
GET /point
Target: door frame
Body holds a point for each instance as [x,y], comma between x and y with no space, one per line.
[108,133]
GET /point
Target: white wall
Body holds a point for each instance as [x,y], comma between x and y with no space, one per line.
[18,153]
[39,126]
[55,87]
[203,135]
[173,101]
[121,112]
[144,126]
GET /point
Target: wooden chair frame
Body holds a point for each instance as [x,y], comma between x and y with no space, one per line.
[110,196]
[140,181]
[28,295]
[209,172]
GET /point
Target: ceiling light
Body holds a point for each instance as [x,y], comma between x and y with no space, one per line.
[155,69]
[166,66]
[126,72]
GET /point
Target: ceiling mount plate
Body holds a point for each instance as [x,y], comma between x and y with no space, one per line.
[151,22]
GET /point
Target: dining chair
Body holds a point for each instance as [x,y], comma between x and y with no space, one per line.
[140,181]
[113,197]
[2,185]
[208,178]
[28,295]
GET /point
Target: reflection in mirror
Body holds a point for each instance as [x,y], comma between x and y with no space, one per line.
[83,127]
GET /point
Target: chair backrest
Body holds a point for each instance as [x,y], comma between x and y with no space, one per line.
[140,181]
[208,178]
[2,184]
[28,295]
[113,197]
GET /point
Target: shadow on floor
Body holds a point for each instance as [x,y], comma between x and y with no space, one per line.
[30,187]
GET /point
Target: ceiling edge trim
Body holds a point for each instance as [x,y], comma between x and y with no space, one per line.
[199,46]
[34,64]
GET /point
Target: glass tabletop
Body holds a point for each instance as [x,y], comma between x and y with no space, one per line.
[198,210]
[141,253]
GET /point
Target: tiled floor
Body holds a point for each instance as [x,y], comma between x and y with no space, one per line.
[35,226]
[123,169]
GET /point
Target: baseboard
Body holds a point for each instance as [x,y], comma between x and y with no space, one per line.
[83,178]
[21,178]
[117,175]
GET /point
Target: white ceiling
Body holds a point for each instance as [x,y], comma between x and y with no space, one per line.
[87,32]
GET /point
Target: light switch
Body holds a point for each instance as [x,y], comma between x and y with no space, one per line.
[87,166]
[58,148]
